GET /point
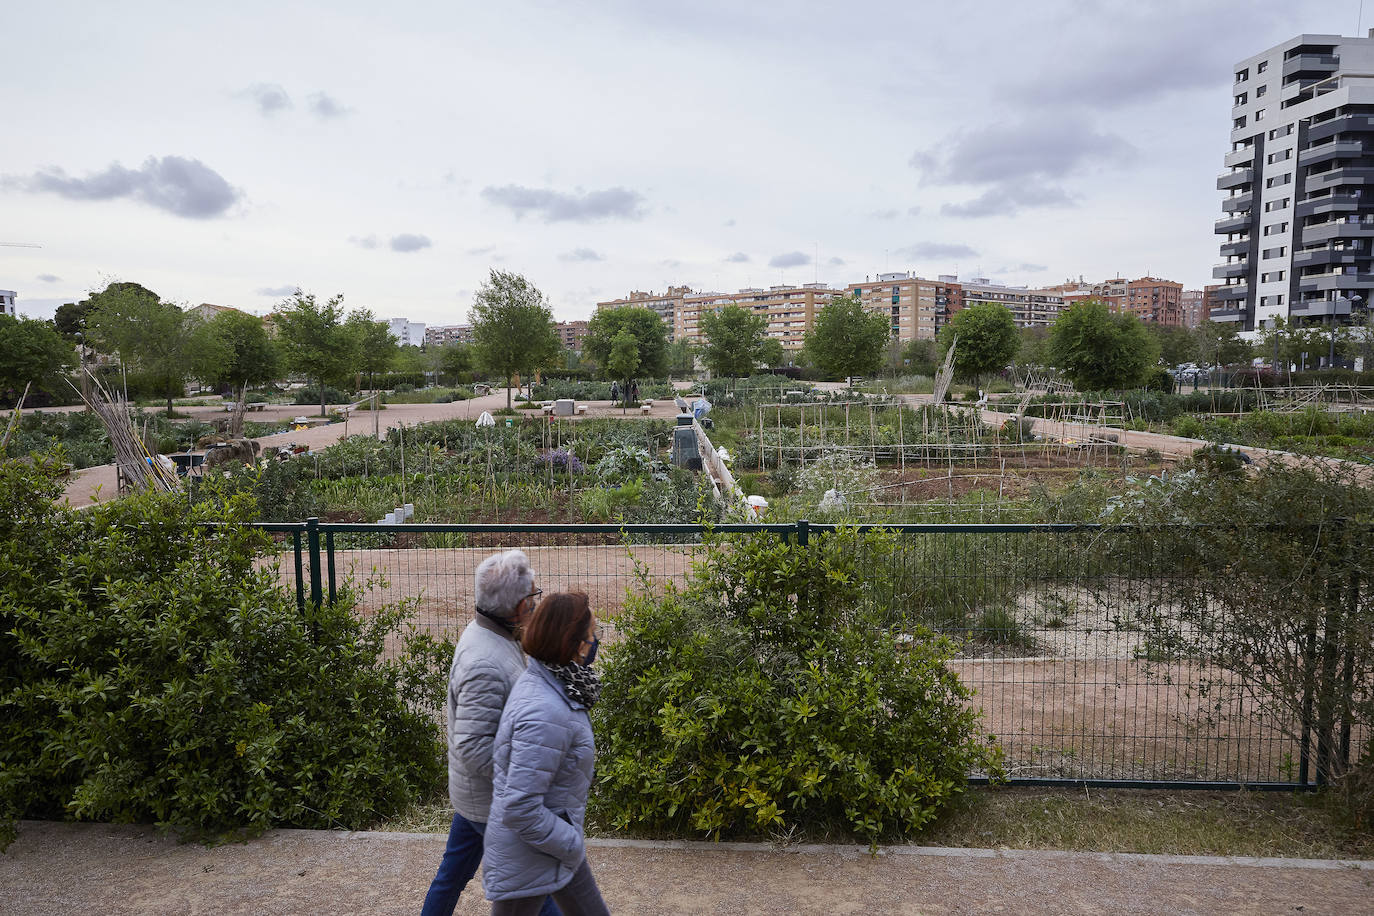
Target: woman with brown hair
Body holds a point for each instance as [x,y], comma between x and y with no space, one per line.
[542,769]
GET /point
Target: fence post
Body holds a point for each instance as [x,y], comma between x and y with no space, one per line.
[329,552]
[312,538]
[300,574]
[803,532]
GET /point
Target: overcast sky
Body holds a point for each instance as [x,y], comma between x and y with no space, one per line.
[395,152]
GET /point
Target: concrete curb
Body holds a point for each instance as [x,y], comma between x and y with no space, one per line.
[852,851]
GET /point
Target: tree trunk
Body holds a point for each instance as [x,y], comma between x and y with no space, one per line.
[322,413]
[236,418]
[508,381]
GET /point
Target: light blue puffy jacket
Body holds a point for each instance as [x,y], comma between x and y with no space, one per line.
[542,770]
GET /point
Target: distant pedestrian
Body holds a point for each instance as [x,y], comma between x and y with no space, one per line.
[634,391]
[615,391]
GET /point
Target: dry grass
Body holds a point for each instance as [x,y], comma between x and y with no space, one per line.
[1118,820]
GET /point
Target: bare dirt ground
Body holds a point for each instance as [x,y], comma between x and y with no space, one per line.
[117,870]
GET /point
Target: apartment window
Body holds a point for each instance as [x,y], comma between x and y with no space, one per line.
[1280,131]
[1274,252]
[1278,204]
[1264,65]
[1272,276]
[1259,115]
[1280,156]
[1242,75]
[1279,181]
[1260,91]
[1239,122]
[1276,229]
[1271,300]
[1241,99]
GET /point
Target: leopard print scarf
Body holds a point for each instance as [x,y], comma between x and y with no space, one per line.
[579,682]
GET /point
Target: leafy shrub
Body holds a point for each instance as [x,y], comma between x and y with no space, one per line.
[153,670]
[769,694]
[308,396]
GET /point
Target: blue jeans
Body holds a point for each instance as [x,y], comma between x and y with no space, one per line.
[462,855]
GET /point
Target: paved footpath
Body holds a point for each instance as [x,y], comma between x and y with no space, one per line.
[115,869]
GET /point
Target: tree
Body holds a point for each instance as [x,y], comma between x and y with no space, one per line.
[921,356]
[643,324]
[846,339]
[31,351]
[454,361]
[317,342]
[512,327]
[155,337]
[236,350]
[1177,345]
[376,349]
[1034,348]
[771,352]
[1219,344]
[70,319]
[681,357]
[734,341]
[1100,350]
[623,361]
[988,339]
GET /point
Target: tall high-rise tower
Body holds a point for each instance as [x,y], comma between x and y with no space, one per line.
[1299,217]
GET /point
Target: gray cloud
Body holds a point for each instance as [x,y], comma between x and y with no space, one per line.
[277,291]
[913,211]
[729,222]
[1009,198]
[836,262]
[670,262]
[366,241]
[407,241]
[884,214]
[936,251]
[1005,152]
[481,251]
[581,254]
[558,206]
[738,257]
[269,97]
[789,259]
[322,105]
[183,187]
[49,278]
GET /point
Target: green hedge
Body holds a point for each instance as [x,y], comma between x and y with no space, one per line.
[153,670]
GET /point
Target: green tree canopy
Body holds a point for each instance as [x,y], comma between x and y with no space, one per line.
[1034,348]
[317,342]
[651,340]
[31,351]
[734,341]
[70,318]
[1177,344]
[376,349]
[1101,350]
[512,327]
[921,357]
[623,361]
[681,358]
[154,337]
[846,339]
[237,351]
[988,339]
[772,353]
[1219,344]
[453,361]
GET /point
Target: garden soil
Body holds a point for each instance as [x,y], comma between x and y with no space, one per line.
[114,870]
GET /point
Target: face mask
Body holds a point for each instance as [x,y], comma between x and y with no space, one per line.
[591,653]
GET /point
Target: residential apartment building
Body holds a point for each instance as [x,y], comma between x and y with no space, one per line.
[7,306]
[1114,292]
[407,333]
[1155,301]
[1032,308]
[917,307]
[439,335]
[1191,304]
[572,333]
[667,306]
[1212,300]
[1299,224]
[788,311]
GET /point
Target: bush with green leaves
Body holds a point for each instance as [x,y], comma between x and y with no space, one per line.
[152,669]
[773,692]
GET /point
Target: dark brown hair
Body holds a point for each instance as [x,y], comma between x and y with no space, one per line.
[555,630]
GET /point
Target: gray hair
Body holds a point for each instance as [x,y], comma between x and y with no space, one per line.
[503,580]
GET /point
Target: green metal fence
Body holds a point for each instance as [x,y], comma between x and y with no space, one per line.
[1085,663]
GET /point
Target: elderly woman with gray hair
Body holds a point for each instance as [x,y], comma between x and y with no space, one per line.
[486,664]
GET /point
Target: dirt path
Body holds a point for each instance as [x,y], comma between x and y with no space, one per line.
[115,870]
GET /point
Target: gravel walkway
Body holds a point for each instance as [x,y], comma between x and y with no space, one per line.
[115,869]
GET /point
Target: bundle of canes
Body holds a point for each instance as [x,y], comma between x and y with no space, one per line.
[142,469]
[945,375]
[13,423]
